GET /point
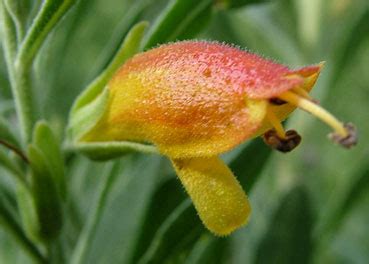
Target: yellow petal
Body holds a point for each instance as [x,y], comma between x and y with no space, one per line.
[216,194]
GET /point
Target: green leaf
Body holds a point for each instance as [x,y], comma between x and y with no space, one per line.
[248,164]
[359,187]
[159,209]
[45,194]
[133,13]
[178,18]
[356,32]
[50,14]
[28,212]
[289,237]
[47,143]
[124,211]
[237,3]
[179,231]
[89,231]
[195,24]
[9,223]
[209,249]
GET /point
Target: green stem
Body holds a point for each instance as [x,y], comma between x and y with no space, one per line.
[19,79]
[89,231]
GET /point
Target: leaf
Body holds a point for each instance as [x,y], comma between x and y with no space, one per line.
[249,163]
[158,210]
[209,249]
[89,231]
[178,231]
[49,146]
[350,199]
[289,237]
[237,3]
[177,18]
[8,223]
[46,198]
[132,14]
[50,14]
[124,211]
[356,33]
[28,212]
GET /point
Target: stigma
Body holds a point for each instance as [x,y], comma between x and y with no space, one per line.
[343,134]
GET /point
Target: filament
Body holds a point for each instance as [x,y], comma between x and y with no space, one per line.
[316,110]
[275,122]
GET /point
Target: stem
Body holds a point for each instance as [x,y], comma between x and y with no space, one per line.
[15,150]
[19,79]
[88,233]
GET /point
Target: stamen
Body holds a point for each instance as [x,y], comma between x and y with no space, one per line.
[276,123]
[292,140]
[277,101]
[341,134]
[301,91]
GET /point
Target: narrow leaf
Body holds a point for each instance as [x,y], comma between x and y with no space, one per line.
[9,224]
[289,237]
[176,18]
[50,14]
[45,194]
[181,228]
[47,143]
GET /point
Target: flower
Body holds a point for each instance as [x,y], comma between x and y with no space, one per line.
[195,100]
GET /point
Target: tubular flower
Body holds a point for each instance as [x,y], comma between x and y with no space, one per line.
[196,100]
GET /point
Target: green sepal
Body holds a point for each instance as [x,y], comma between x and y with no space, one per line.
[102,151]
[46,200]
[128,48]
[49,146]
[90,106]
[85,118]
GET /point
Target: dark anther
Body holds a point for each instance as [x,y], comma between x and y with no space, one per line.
[277,101]
[291,141]
[348,141]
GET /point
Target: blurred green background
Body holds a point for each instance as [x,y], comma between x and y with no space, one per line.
[310,206]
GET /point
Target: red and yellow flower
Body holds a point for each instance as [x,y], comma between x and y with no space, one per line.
[196,100]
